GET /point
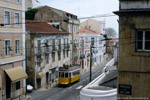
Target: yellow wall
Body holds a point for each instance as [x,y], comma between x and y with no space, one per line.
[10,4]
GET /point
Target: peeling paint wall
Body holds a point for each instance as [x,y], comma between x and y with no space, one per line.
[34,68]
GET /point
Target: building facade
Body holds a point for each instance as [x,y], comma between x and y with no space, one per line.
[48,49]
[86,37]
[12,50]
[134,47]
[97,26]
[65,21]
[29,4]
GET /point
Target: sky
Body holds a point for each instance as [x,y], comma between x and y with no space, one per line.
[87,8]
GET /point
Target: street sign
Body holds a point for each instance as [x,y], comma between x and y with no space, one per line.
[125,89]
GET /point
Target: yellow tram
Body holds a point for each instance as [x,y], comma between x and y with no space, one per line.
[69,75]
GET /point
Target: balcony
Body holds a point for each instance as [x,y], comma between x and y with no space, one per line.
[67,47]
[54,48]
[38,51]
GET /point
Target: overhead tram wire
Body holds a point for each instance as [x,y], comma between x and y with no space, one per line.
[43,47]
[97,16]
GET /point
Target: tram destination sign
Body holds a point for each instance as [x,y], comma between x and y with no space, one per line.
[125,89]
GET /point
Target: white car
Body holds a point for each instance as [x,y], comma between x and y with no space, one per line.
[29,88]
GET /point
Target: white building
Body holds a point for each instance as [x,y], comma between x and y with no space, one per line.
[86,36]
[47,49]
[32,4]
[104,87]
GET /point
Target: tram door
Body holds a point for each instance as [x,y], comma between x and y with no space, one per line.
[69,77]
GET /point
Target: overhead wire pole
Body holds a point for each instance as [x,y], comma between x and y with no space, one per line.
[90,63]
[91,57]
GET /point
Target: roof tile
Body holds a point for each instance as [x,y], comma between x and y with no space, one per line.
[42,28]
[88,31]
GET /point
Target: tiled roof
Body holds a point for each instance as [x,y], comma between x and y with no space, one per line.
[42,27]
[88,31]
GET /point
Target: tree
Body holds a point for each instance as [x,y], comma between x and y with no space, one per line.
[110,32]
[30,14]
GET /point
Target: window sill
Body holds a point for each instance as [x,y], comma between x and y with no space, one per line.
[141,53]
[7,56]
[17,54]
[17,26]
[7,25]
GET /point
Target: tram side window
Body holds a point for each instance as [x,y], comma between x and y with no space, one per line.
[75,73]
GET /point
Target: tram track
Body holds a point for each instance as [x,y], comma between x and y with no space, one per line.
[48,94]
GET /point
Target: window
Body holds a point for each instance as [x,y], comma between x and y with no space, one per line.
[17,85]
[92,42]
[89,27]
[16,1]
[7,18]
[143,40]
[47,58]
[59,56]
[94,59]
[70,28]
[64,53]
[16,19]
[67,53]
[39,46]
[85,27]
[7,48]
[53,57]
[100,41]
[64,43]
[59,44]
[46,46]
[53,43]
[82,44]
[17,46]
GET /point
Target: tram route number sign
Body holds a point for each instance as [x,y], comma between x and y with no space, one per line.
[125,89]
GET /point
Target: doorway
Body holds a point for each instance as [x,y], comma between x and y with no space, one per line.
[38,83]
[8,86]
[47,74]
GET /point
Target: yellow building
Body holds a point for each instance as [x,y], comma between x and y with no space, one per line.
[134,50]
[97,26]
[12,49]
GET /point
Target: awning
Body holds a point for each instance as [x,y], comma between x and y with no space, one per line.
[16,73]
[40,74]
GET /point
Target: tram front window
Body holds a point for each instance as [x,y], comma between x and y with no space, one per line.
[61,74]
[66,75]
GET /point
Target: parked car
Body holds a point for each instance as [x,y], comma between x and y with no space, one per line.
[29,88]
